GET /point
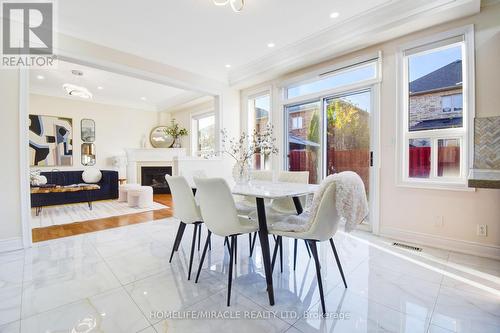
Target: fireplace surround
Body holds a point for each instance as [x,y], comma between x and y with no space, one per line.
[154,176]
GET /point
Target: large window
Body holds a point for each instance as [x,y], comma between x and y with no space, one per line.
[435,126]
[203,132]
[259,107]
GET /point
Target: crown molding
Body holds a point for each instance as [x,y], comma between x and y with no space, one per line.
[387,22]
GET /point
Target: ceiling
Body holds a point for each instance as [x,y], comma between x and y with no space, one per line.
[115,89]
[201,38]
[198,36]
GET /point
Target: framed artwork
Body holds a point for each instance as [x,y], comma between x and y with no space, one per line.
[50,140]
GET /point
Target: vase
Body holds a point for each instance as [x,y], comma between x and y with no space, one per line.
[241,172]
[177,143]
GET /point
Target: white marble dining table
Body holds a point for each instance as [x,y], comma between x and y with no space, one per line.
[261,190]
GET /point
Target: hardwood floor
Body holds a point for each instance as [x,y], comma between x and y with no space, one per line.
[64,230]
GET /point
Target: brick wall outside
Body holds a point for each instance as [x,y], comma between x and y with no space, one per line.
[428,106]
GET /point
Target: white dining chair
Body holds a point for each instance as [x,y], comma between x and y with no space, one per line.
[320,224]
[247,205]
[187,211]
[219,213]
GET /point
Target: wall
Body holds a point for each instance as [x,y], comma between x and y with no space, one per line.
[411,213]
[117,128]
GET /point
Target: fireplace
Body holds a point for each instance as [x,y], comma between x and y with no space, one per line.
[155,177]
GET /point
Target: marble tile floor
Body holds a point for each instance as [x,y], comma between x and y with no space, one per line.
[119,280]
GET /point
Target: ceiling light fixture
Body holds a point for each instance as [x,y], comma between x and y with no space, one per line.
[143,98]
[228,66]
[100,88]
[77,91]
[236,5]
[40,77]
[334,15]
[271,44]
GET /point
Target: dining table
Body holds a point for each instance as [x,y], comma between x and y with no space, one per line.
[265,190]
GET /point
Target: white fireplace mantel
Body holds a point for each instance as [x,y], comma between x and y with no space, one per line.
[137,158]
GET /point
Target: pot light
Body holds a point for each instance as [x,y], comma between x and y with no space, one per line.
[143,98]
[40,77]
[228,66]
[100,88]
[334,15]
[77,91]
[271,44]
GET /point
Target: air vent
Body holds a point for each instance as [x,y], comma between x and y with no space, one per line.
[407,247]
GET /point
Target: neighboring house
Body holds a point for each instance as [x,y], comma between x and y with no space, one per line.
[436,99]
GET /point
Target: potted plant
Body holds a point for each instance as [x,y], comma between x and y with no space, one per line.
[175,131]
[242,149]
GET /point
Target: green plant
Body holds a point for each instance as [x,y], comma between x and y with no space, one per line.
[174,130]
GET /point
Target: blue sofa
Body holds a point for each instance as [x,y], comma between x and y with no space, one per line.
[108,190]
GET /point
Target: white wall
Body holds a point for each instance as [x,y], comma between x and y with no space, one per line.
[117,128]
[410,213]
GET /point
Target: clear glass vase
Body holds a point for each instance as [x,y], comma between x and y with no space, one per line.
[241,172]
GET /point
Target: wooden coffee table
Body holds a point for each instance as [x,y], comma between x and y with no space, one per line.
[89,188]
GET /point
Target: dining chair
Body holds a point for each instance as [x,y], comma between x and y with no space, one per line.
[247,206]
[219,213]
[315,226]
[187,211]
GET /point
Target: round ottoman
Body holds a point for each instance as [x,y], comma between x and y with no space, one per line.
[123,191]
[141,197]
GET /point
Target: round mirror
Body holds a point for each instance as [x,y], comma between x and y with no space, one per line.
[159,139]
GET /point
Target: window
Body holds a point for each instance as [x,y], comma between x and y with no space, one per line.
[297,123]
[330,80]
[435,126]
[203,129]
[259,107]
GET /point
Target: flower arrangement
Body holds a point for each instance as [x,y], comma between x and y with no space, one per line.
[175,131]
[242,149]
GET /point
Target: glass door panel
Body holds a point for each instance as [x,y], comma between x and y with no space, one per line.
[348,134]
[304,139]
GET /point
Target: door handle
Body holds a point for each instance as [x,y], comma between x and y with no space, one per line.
[371,158]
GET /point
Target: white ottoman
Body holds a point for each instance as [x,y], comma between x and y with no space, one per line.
[123,190]
[141,197]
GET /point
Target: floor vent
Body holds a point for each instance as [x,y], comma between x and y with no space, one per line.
[407,247]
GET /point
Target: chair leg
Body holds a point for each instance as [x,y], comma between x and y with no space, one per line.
[314,251]
[199,236]
[253,243]
[295,241]
[235,249]
[193,244]
[307,247]
[226,243]
[275,252]
[338,261]
[209,243]
[178,238]
[202,259]
[230,273]
[281,253]
[250,243]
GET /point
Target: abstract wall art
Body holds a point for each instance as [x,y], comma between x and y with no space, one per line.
[50,141]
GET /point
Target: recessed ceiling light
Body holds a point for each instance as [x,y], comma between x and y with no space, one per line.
[271,44]
[40,77]
[100,88]
[334,15]
[143,98]
[228,66]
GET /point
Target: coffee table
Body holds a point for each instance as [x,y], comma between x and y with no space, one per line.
[88,188]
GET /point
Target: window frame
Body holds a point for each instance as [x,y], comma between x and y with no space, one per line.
[195,117]
[465,133]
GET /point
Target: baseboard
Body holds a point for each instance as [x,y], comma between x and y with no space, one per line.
[11,244]
[457,245]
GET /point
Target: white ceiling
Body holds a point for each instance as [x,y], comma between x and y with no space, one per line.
[198,36]
[117,89]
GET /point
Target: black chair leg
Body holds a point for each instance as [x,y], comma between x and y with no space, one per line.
[193,244]
[250,243]
[209,243]
[235,249]
[230,273]
[204,253]
[281,253]
[307,247]
[178,238]
[338,261]
[226,243]
[199,236]
[314,251]
[275,252]
[295,241]
[253,243]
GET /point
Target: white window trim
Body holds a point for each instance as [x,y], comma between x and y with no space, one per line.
[194,131]
[467,147]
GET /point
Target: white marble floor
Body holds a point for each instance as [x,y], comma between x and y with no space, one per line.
[119,280]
